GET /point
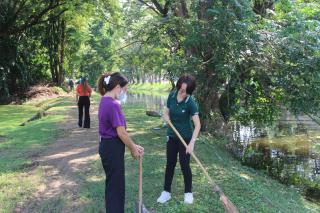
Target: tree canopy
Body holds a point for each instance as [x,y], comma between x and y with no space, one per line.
[251,59]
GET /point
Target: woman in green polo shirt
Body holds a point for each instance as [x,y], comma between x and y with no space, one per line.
[181,109]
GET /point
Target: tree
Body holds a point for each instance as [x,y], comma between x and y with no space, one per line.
[40,40]
[240,52]
[17,21]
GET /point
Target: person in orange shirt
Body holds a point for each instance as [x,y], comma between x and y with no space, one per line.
[83,98]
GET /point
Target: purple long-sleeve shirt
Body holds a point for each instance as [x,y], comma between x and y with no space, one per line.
[110,117]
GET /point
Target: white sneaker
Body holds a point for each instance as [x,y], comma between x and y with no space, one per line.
[188,198]
[164,197]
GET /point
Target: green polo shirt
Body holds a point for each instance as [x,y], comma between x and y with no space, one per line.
[181,115]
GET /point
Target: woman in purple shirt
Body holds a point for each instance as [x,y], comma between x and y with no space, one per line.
[114,138]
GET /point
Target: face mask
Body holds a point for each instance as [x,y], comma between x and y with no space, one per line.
[122,97]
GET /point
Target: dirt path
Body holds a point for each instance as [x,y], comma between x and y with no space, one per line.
[61,161]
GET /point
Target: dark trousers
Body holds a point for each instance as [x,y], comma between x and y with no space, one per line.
[174,146]
[111,152]
[84,103]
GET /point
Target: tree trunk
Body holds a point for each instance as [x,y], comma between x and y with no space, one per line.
[138,77]
[207,93]
[260,6]
[180,9]
[51,29]
[62,43]
[203,6]
[208,97]
[56,49]
[173,86]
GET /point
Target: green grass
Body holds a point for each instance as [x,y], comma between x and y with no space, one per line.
[248,189]
[19,142]
[151,87]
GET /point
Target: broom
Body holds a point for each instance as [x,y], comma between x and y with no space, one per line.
[140,208]
[227,204]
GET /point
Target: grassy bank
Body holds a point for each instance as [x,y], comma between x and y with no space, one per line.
[151,88]
[19,143]
[250,190]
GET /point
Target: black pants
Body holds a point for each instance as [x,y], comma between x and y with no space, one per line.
[111,152]
[174,146]
[84,102]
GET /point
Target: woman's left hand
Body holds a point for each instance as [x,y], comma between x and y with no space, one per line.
[190,147]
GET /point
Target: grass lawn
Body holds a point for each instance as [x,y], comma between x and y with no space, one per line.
[248,189]
[151,87]
[17,143]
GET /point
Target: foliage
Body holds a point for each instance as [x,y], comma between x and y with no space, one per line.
[251,59]
[48,41]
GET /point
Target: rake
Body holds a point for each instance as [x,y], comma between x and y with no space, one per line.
[227,204]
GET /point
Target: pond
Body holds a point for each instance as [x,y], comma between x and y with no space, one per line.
[289,150]
[155,103]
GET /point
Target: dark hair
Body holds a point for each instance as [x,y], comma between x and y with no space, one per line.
[189,80]
[115,79]
[83,81]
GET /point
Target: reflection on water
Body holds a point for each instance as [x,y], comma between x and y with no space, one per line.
[150,102]
[289,151]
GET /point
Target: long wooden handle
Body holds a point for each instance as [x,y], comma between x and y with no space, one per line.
[140,184]
[195,158]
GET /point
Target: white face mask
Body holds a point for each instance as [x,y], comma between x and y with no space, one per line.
[122,97]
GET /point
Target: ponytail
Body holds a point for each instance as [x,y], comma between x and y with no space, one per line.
[107,82]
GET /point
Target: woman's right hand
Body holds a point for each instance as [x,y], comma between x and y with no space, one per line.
[166,117]
[140,150]
[137,151]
